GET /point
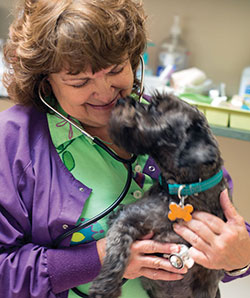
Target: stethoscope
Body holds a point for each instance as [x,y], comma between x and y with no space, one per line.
[100,143]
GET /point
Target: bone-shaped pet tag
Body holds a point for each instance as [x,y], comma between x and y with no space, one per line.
[180,212]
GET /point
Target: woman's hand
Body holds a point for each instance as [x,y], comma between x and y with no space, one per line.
[142,263]
[217,244]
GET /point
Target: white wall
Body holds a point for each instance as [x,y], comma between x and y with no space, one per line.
[5,16]
[236,155]
[216,32]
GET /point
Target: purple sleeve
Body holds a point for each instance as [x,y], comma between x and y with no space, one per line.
[35,271]
[23,265]
[28,267]
[73,265]
[24,272]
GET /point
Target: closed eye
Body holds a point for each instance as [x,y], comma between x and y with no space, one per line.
[84,83]
[116,70]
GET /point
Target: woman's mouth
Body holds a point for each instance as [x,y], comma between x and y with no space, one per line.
[107,106]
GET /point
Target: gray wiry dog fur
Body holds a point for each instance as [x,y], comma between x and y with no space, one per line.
[179,139]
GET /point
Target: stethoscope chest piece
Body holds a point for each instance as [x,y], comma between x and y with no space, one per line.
[181,259]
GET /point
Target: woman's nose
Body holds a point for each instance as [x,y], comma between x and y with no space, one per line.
[104,89]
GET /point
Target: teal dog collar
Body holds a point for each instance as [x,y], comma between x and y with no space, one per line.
[190,189]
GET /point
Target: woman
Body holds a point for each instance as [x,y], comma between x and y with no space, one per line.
[81,56]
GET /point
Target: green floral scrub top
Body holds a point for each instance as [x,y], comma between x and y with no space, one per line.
[106,177]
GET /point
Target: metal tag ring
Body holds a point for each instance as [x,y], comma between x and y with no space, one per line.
[179,192]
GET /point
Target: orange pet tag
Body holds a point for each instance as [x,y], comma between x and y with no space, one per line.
[180,212]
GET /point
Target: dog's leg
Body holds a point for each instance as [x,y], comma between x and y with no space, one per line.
[124,231]
[207,293]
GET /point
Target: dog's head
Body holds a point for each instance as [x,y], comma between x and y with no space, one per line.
[168,129]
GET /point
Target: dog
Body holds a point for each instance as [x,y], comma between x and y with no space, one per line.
[178,137]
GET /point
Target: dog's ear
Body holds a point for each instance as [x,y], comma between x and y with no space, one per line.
[145,129]
[199,147]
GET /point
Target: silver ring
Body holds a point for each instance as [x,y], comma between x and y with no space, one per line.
[179,191]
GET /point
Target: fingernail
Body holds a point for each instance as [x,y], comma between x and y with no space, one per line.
[225,191]
[174,248]
[176,226]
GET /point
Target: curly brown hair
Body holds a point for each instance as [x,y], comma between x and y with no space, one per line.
[47,35]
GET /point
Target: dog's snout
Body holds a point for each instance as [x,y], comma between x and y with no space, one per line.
[120,101]
[128,101]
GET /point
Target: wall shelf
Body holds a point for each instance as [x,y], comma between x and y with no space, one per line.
[232,133]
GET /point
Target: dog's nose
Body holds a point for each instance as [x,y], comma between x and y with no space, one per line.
[120,101]
[128,101]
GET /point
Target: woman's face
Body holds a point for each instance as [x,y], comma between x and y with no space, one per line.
[90,97]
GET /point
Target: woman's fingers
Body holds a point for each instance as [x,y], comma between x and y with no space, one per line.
[157,263]
[153,247]
[190,234]
[217,244]
[201,258]
[144,262]
[228,208]
[201,231]
[214,223]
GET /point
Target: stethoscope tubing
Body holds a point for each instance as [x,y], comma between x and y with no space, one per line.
[123,193]
[104,212]
[125,189]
